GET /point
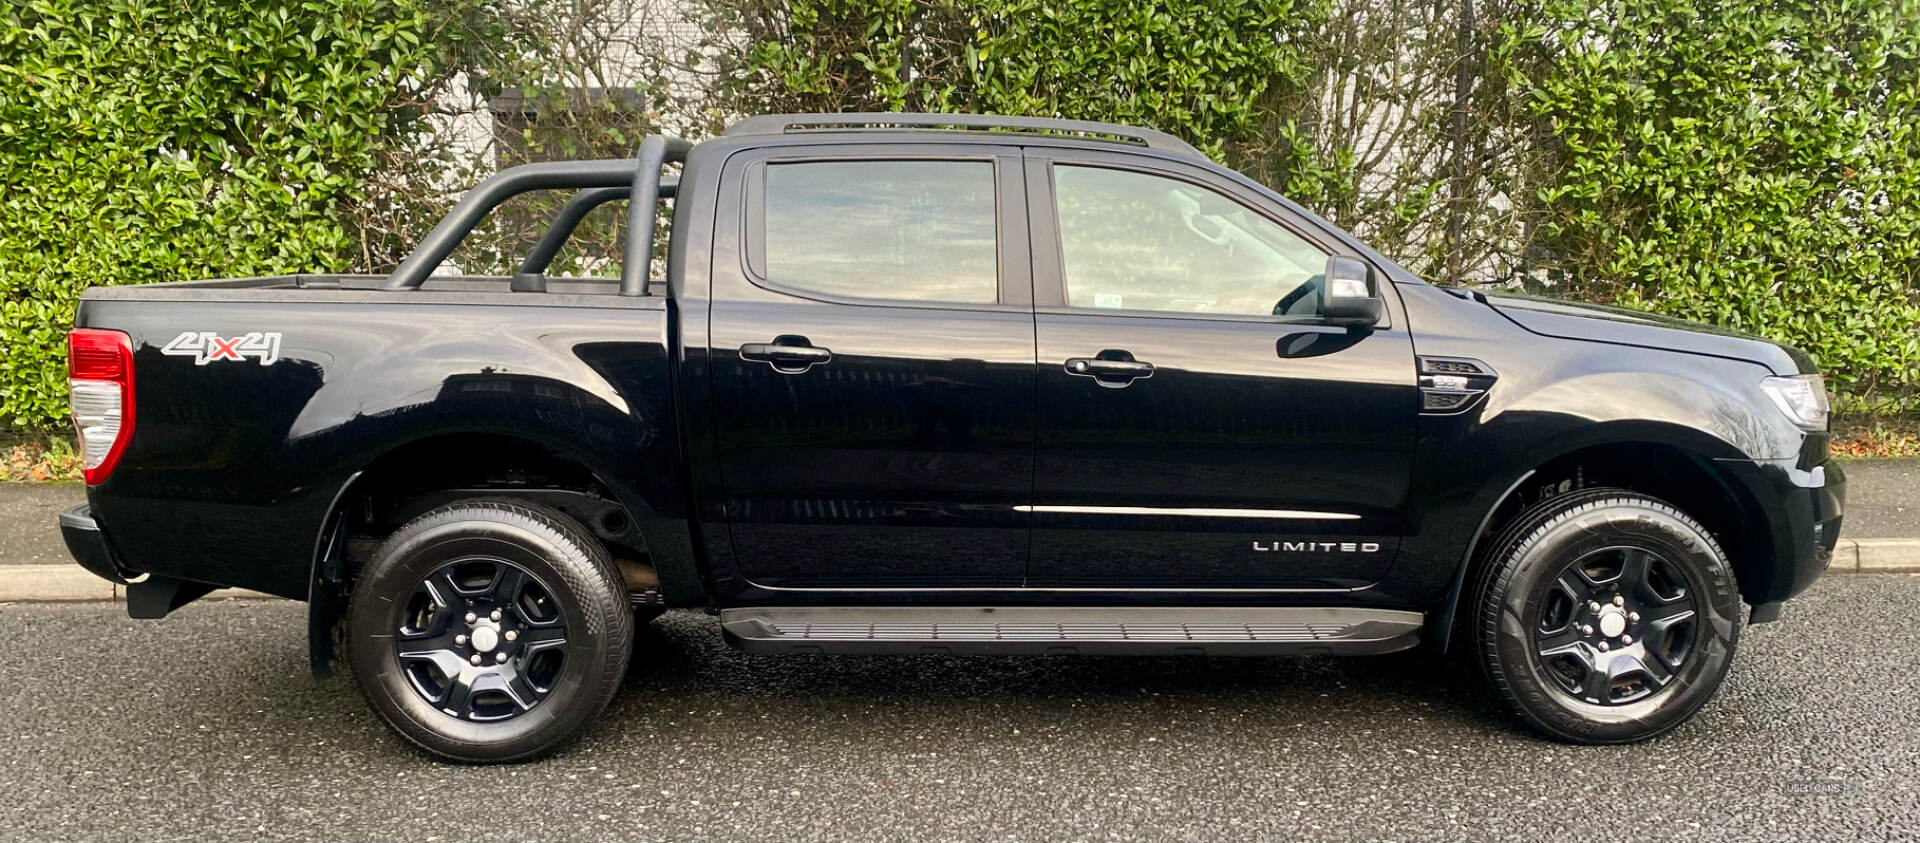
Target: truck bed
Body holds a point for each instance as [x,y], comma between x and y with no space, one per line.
[252,437]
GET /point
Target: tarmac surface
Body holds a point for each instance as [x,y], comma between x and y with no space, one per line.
[1883,499]
[206,726]
[29,521]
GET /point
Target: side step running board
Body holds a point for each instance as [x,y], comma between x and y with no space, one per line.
[1039,630]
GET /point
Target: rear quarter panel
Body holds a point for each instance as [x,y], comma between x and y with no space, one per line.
[233,465]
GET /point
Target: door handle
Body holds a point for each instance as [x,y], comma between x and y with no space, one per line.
[788,354]
[1112,368]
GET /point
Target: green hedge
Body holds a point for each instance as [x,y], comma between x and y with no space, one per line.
[1210,71]
[156,140]
[1752,163]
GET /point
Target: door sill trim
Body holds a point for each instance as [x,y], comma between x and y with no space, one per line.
[1045,630]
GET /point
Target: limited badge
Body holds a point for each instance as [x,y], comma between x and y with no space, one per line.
[207,347]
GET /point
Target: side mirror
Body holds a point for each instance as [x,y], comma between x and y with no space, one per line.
[1352,296]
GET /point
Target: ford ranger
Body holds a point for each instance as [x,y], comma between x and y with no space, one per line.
[945,384]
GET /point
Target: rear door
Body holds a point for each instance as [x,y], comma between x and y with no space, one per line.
[872,369]
[1198,424]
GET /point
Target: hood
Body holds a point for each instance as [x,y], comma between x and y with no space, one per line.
[1601,323]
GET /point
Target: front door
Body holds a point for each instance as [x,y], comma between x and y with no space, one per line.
[1198,426]
[872,368]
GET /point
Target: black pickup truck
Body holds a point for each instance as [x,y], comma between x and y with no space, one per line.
[946,384]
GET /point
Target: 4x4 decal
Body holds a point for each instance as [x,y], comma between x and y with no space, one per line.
[206,347]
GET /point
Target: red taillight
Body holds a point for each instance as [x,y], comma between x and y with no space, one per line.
[100,389]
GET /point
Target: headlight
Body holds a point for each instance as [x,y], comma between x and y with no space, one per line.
[1802,397]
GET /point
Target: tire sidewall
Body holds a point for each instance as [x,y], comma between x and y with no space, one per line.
[414,554]
[1615,522]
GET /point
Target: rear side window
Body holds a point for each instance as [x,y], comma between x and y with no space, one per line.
[917,230]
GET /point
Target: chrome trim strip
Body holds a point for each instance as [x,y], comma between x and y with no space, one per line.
[1193,512]
[1055,589]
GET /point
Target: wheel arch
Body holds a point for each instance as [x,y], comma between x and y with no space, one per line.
[414,474]
[1684,470]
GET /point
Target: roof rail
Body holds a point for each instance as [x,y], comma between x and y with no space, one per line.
[774,124]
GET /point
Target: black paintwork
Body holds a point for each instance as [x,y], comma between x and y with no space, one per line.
[234,466]
[915,458]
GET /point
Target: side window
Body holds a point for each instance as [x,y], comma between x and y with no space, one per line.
[919,230]
[1143,242]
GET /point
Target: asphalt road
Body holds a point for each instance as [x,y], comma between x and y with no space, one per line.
[205,727]
[30,521]
[1883,499]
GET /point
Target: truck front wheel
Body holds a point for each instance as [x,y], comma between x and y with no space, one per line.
[1606,617]
[489,630]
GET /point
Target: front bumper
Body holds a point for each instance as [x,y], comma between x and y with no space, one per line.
[89,546]
[1804,510]
[1824,505]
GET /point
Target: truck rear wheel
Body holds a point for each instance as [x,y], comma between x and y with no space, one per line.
[1606,617]
[489,630]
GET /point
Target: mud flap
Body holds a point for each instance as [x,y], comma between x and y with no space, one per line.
[156,597]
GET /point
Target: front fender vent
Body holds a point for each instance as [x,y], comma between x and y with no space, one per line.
[1453,366]
[1452,385]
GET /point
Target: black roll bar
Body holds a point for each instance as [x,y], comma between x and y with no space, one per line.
[573,213]
[641,175]
[655,152]
[576,209]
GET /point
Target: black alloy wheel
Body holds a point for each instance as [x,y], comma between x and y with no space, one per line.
[1605,616]
[1615,625]
[481,639]
[489,630]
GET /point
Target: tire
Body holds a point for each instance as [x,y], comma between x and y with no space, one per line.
[1632,669]
[543,670]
